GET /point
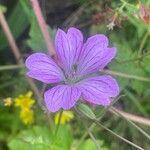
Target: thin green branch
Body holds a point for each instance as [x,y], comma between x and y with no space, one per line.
[135,59]
[143,43]
[93,138]
[10,67]
[135,102]
[124,75]
[59,120]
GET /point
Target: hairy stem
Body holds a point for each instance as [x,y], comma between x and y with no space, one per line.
[43,26]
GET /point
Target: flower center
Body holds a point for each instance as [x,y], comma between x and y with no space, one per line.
[72,77]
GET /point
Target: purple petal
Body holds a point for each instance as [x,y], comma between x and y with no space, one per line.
[61,96]
[68,47]
[95,54]
[43,68]
[99,90]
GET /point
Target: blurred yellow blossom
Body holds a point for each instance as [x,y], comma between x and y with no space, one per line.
[8,102]
[27,116]
[24,101]
[66,116]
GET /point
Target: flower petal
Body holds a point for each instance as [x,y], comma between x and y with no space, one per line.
[98,90]
[43,68]
[61,96]
[95,54]
[68,47]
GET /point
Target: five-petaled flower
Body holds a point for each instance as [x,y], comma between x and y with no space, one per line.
[76,70]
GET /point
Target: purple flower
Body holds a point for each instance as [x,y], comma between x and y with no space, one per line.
[76,72]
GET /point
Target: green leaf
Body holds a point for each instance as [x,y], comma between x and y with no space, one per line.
[86,110]
[146,63]
[90,145]
[40,138]
[37,137]
[126,62]
[17,22]
[36,41]
[63,140]
[131,68]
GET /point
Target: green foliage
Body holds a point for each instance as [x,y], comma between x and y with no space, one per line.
[36,41]
[42,138]
[128,62]
[90,145]
[17,18]
[86,110]
[35,138]
[3,9]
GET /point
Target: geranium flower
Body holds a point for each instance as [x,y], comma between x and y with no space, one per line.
[76,71]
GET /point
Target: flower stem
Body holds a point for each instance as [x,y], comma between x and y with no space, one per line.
[43,26]
[126,116]
[120,74]
[10,67]
[143,43]
[10,38]
[57,127]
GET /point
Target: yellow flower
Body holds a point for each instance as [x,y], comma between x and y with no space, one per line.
[8,102]
[27,116]
[24,101]
[66,116]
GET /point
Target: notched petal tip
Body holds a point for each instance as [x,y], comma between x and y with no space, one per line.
[60,32]
[73,29]
[102,38]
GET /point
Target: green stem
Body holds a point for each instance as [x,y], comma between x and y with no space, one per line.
[132,123]
[97,122]
[93,138]
[10,67]
[104,111]
[126,3]
[143,43]
[57,127]
[124,75]
[118,136]
[135,59]
[135,101]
